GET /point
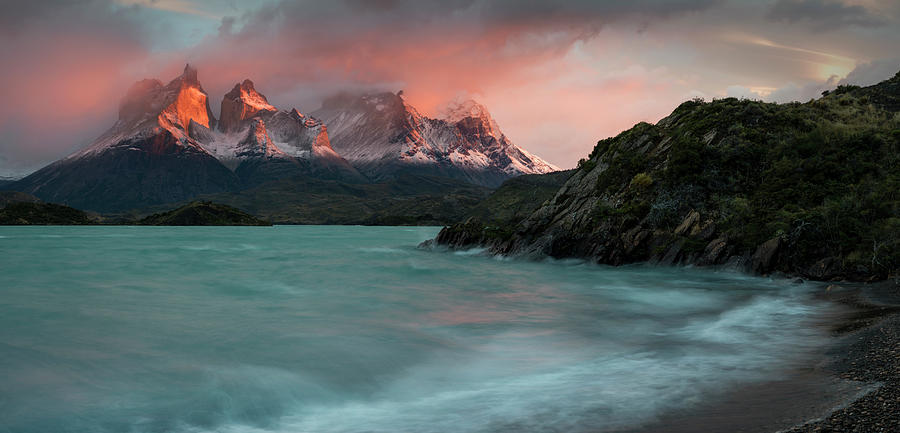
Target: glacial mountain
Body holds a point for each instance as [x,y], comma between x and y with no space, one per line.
[802,188]
[261,143]
[383,136]
[166,147]
[147,157]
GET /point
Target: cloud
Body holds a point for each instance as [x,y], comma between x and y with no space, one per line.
[64,68]
[556,75]
[869,73]
[824,15]
[298,53]
[802,92]
[864,74]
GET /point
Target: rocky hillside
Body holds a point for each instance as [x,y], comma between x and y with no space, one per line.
[803,188]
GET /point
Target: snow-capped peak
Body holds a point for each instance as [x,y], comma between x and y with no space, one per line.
[461,109]
[149,107]
[253,98]
[382,134]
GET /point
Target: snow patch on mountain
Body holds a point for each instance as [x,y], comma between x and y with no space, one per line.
[381,134]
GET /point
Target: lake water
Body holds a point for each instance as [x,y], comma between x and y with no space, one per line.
[354,329]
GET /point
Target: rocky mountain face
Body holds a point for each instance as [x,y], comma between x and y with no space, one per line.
[262,143]
[806,189]
[382,135]
[167,146]
[242,103]
[146,157]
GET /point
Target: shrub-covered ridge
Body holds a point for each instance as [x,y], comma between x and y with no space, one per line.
[802,188]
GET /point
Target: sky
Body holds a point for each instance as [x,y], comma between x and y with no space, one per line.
[556,75]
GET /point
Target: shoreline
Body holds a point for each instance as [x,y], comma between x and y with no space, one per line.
[852,384]
[866,350]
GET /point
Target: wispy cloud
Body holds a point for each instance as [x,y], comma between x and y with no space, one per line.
[824,15]
[178,6]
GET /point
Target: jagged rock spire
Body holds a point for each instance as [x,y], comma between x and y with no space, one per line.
[190,74]
[243,102]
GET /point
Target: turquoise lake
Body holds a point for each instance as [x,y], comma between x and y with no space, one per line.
[355,329]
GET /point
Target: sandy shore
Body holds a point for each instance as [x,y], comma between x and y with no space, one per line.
[867,351]
[852,386]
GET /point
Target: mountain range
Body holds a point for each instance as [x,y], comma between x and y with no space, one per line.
[168,147]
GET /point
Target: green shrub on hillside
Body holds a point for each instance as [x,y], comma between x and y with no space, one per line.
[824,176]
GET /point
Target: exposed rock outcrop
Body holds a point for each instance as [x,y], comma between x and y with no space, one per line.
[243,102]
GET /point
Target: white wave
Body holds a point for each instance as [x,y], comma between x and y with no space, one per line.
[384,250]
[571,390]
[470,252]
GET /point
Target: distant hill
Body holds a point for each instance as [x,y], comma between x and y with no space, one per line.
[518,197]
[402,200]
[33,213]
[203,214]
[803,188]
[7,197]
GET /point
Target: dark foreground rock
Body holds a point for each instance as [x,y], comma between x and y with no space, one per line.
[203,214]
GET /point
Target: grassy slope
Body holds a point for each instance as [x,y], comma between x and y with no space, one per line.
[518,197]
[824,177]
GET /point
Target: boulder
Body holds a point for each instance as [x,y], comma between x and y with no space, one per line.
[762,260]
[714,252]
[825,269]
[685,227]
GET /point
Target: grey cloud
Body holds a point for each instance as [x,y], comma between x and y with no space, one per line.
[405,12]
[50,49]
[802,92]
[873,72]
[865,74]
[823,15]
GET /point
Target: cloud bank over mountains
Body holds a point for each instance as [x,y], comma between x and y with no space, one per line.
[557,76]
